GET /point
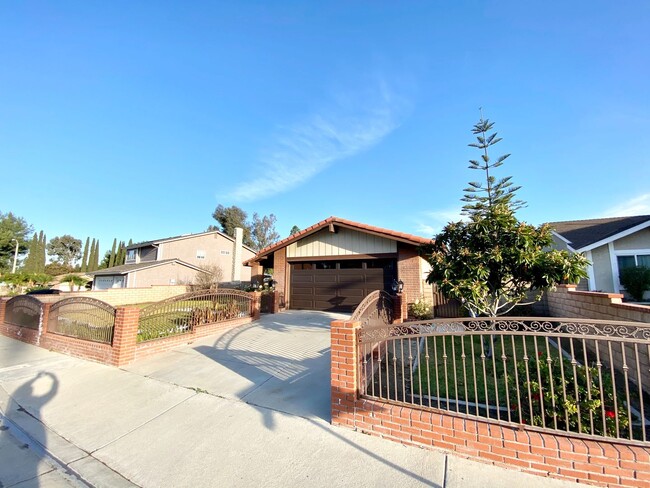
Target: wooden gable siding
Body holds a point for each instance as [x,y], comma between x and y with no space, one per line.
[344,242]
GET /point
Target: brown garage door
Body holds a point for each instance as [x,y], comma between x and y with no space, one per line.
[338,286]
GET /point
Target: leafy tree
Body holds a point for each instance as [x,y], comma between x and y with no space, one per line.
[229,218]
[263,231]
[294,230]
[104,263]
[57,269]
[66,249]
[42,258]
[636,281]
[84,259]
[492,261]
[12,229]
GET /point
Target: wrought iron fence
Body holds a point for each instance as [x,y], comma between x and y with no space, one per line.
[24,311]
[182,314]
[375,309]
[586,378]
[82,318]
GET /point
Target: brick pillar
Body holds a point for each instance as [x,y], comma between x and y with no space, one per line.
[125,335]
[343,370]
[400,308]
[45,317]
[3,307]
[256,305]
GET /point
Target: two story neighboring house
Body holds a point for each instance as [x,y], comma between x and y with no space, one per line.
[177,260]
[610,244]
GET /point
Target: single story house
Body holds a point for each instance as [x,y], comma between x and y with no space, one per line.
[610,244]
[334,264]
[176,260]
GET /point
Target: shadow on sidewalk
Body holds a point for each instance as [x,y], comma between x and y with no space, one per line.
[28,401]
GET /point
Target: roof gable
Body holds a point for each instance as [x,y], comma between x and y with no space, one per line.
[349,224]
[128,268]
[185,236]
[584,235]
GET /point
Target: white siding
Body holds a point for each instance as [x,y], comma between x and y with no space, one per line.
[344,242]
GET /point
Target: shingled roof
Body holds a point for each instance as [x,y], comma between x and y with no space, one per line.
[389,234]
[582,234]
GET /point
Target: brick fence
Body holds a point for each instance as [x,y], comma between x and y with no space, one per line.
[566,301]
[557,456]
[125,348]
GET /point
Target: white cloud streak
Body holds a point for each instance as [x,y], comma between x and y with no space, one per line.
[432,222]
[303,150]
[639,205]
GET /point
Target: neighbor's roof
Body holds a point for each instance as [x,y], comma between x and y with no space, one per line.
[584,235]
[128,268]
[348,224]
[184,236]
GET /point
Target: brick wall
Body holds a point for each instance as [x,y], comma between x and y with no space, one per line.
[556,456]
[122,296]
[280,275]
[125,349]
[566,301]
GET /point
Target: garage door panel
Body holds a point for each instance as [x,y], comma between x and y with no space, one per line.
[335,289]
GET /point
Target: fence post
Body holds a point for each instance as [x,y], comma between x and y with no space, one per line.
[400,308]
[125,335]
[344,370]
[3,307]
[45,316]
[256,305]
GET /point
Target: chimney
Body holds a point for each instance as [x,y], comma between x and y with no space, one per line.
[237,254]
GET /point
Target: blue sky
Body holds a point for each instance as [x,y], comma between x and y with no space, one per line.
[136,119]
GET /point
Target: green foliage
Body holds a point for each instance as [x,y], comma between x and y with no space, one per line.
[111,256]
[66,249]
[589,397]
[12,229]
[294,230]
[257,234]
[84,259]
[74,280]
[263,231]
[421,309]
[492,261]
[636,281]
[27,279]
[57,269]
[31,261]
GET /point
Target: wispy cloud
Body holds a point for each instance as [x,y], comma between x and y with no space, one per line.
[639,205]
[350,124]
[432,222]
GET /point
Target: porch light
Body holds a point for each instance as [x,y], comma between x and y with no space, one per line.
[398,286]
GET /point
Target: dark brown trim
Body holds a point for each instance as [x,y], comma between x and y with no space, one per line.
[349,257]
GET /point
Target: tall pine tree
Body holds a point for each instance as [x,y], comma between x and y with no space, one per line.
[84,259]
[31,261]
[42,258]
[113,257]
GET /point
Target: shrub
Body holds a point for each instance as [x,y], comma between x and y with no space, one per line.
[573,411]
[421,309]
[636,281]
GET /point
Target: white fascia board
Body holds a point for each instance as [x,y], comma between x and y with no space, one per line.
[616,237]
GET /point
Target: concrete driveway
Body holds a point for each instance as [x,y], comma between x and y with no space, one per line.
[248,407]
[280,362]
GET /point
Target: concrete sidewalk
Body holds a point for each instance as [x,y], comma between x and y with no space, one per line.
[246,408]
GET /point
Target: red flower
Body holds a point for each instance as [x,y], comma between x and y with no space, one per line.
[536,397]
[610,414]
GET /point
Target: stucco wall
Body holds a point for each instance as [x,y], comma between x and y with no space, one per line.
[602,269]
[638,240]
[167,274]
[212,245]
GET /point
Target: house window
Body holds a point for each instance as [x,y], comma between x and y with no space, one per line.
[130,255]
[225,253]
[200,254]
[633,260]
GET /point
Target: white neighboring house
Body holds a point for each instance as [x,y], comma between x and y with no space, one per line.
[609,244]
[177,260]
